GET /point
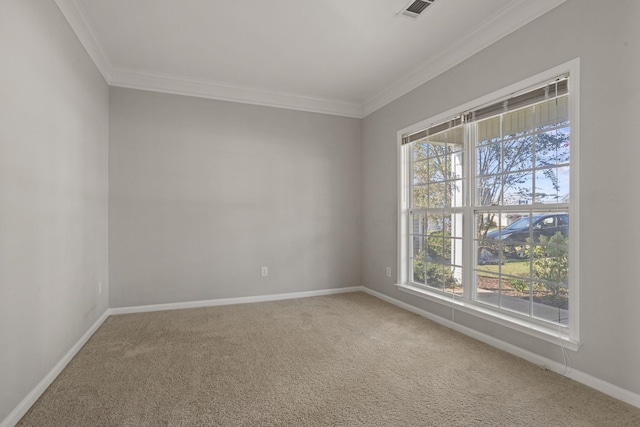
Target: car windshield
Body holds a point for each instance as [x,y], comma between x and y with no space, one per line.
[519,224]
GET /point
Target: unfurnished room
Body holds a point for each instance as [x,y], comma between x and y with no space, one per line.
[319,213]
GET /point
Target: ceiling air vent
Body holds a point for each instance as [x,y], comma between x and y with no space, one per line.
[415,8]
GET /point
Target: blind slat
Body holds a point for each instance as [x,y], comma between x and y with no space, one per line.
[550,91]
[441,127]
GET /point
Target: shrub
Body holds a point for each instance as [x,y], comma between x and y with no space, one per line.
[551,263]
[434,272]
[519,285]
[439,246]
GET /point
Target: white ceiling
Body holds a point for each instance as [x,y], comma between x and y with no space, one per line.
[344,57]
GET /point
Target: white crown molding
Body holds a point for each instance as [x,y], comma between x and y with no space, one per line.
[136,79]
[515,15]
[512,17]
[79,23]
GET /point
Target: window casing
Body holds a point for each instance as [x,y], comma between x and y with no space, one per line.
[488,207]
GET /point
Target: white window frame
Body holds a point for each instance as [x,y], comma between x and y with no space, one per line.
[567,337]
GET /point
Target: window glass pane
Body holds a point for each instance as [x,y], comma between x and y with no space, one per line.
[435,275]
[455,196]
[448,224]
[552,147]
[417,245]
[488,225]
[456,148]
[437,195]
[415,221]
[443,252]
[435,248]
[438,167]
[551,263]
[516,227]
[546,226]
[513,251]
[452,251]
[421,150]
[418,225]
[419,272]
[454,279]
[438,149]
[453,225]
[488,190]
[516,267]
[551,270]
[552,185]
[488,159]
[533,279]
[517,154]
[421,172]
[420,199]
[516,295]
[518,189]
[488,288]
[489,253]
[455,166]
[551,303]
[435,224]
[563,221]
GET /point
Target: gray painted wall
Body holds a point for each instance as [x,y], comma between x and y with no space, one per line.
[203,193]
[606,36]
[53,194]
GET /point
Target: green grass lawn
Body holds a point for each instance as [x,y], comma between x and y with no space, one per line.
[513,268]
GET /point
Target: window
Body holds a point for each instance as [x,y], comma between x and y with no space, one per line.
[488,207]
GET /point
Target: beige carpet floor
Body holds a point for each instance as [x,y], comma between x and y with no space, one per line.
[340,360]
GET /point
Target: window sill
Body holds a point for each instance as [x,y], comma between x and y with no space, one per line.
[551,335]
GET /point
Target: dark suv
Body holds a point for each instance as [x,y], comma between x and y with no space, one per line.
[542,225]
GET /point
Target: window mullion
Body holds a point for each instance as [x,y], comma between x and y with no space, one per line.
[408,202]
[468,288]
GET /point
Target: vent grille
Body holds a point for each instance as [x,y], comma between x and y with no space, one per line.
[415,8]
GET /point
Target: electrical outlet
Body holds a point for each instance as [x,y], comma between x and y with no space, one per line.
[388,271]
[264,271]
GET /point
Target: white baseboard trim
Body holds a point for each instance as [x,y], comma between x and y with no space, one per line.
[31,398]
[231,301]
[586,379]
[607,388]
[26,403]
